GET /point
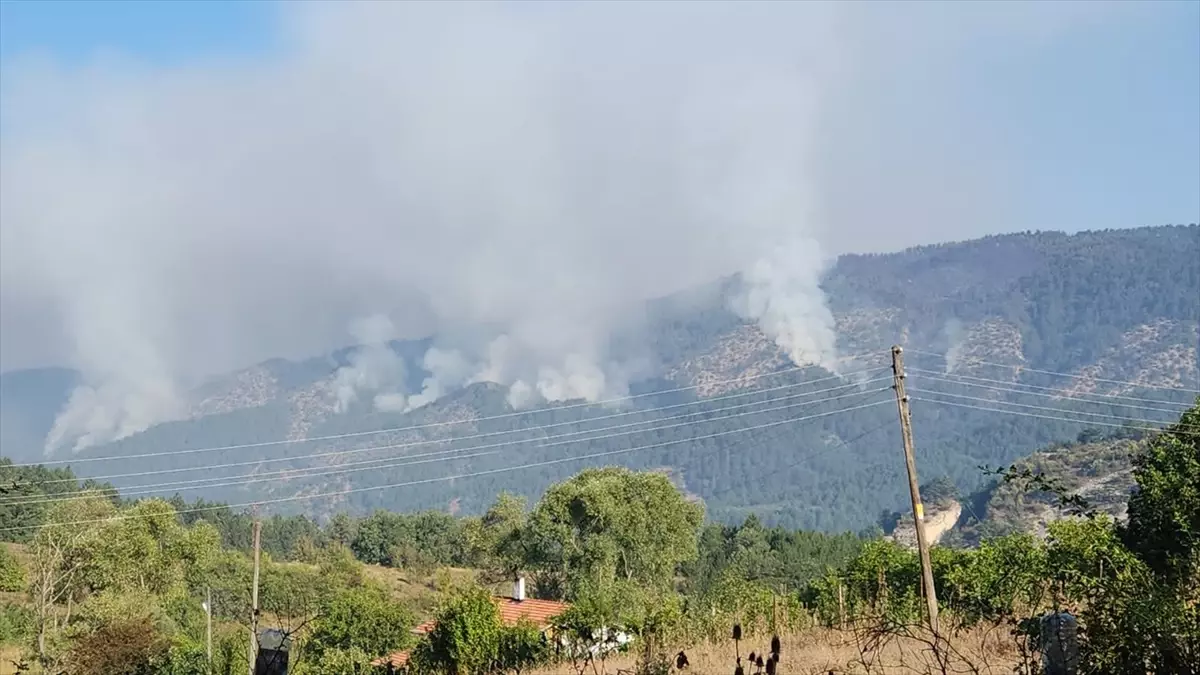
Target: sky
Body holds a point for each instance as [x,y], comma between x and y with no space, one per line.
[191,187]
[1107,110]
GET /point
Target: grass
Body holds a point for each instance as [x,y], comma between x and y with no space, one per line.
[822,651]
[9,654]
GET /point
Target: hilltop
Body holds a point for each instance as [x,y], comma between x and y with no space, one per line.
[1118,311]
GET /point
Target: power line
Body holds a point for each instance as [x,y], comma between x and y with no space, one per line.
[1053,396]
[435,441]
[431,425]
[1059,394]
[390,462]
[1059,374]
[533,465]
[1047,417]
[1047,408]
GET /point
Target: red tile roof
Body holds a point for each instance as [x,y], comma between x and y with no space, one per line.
[397,660]
[538,611]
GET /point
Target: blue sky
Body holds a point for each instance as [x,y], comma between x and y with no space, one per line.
[73,30]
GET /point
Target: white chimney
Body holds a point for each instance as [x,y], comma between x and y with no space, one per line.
[519,589]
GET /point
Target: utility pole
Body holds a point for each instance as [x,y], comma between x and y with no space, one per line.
[254,598]
[208,627]
[913,489]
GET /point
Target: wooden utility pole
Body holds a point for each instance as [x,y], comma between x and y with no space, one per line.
[208,627]
[254,599]
[930,592]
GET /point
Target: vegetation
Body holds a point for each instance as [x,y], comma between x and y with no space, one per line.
[1116,300]
[107,585]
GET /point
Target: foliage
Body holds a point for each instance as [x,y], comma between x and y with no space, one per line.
[1164,512]
[350,661]
[522,647]
[16,624]
[1001,579]
[1132,588]
[609,524]
[362,619]
[12,574]
[419,540]
[775,557]
[466,637]
[120,647]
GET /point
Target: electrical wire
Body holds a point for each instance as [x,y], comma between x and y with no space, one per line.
[533,465]
[1044,408]
[1047,417]
[1058,394]
[204,483]
[1059,374]
[937,378]
[520,413]
[435,441]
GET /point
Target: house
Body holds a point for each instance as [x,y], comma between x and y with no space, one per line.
[512,609]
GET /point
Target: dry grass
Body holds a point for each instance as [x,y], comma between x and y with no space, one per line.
[823,651]
[9,654]
[419,592]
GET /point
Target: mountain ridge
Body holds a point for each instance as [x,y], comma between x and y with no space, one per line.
[970,304]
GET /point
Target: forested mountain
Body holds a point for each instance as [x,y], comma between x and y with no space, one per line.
[728,419]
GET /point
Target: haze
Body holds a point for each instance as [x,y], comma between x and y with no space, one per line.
[513,178]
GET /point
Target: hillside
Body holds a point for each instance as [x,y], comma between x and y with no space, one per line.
[1117,310]
[1098,471]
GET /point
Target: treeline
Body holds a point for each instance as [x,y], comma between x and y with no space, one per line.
[107,582]
[1133,587]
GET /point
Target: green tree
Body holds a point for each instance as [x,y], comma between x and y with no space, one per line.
[611,523]
[495,540]
[1164,511]
[12,574]
[148,549]
[521,647]
[465,639]
[62,550]
[363,619]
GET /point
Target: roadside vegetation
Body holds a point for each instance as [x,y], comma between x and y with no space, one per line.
[94,584]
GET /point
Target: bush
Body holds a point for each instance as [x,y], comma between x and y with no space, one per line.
[16,624]
[12,574]
[466,638]
[363,619]
[133,647]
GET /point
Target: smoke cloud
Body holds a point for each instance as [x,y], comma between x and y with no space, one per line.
[374,369]
[510,177]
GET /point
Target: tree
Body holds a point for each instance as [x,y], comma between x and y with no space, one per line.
[341,529]
[612,523]
[149,550]
[494,541]
[12,575]
[61,551]
[522,646]
[1164,512]
[362,619]
[465,639]
[123,647]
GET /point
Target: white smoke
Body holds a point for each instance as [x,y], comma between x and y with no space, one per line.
[448,370]
[782,294]
[956,338]
[373,369]
[536,169]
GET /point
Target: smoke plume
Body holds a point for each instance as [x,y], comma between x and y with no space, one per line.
[511,177]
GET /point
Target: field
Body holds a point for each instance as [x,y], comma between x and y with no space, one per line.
[823,651]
